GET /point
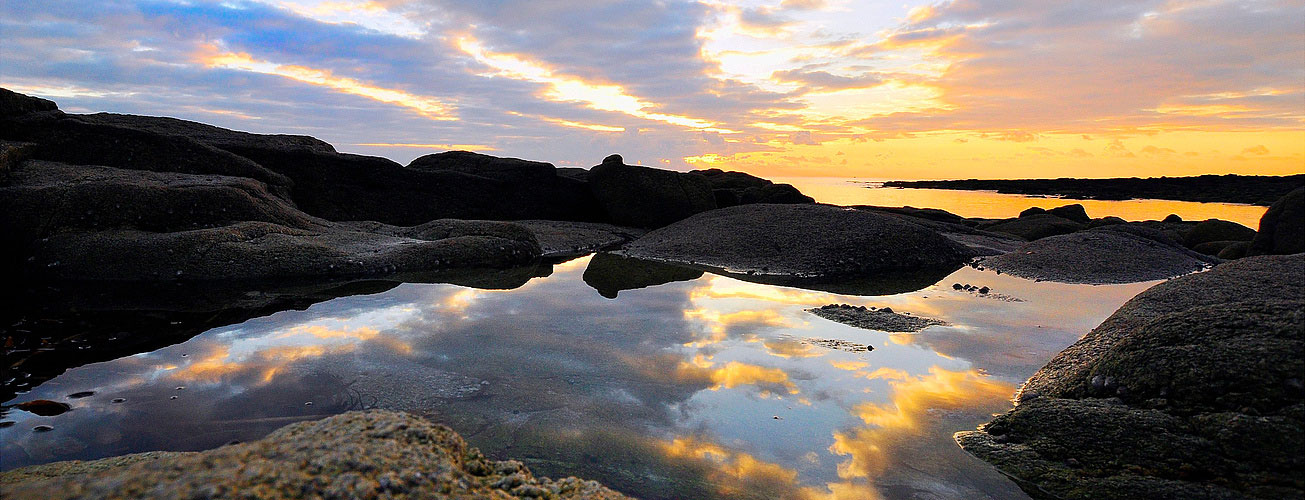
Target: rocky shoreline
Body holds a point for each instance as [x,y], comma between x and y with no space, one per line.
[130,233]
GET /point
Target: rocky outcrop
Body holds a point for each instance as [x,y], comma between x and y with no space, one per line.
[873,318]
[738,188]
[1282,228]
[374,454]
[102,223]
[1190,390]
[1113,254]
[648,197]
[1216,230]
[1034,226]
[800,240]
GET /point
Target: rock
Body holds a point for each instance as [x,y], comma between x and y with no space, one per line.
[354,455]
[69,139]
[800,240]
[217,137]
[648,197]
[610,274]
[1074,212]
[13,104]
[933,214]
[1096,256]
[102,223]
[1236,250]
[884,320]
[1213,247]
[734,188]
[44,407]
[1190,390]
[11,154]
[563,239]
[1106,221]
[1217,230]
[1032,211]
[1282,228]
[493,167]
[1034,227]
[1173,218]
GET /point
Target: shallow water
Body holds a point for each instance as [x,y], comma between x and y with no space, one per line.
[704,388]
[989,204]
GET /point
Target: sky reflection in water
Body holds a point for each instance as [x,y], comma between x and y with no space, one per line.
[665,392]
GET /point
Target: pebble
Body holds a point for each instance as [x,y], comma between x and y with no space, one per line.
[42,428]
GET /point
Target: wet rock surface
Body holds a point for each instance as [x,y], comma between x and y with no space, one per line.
[800,240]
[562,239]
[355,455]
[1106,255]
[884,320]
[1190,390]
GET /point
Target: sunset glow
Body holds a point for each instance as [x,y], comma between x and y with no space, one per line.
[941,89]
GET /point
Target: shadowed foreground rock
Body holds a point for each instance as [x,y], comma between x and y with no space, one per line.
[800,240]
[648,197]
[1191,390]
[374,454]
[1282,229]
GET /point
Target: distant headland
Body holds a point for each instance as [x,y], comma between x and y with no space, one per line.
[1260,190]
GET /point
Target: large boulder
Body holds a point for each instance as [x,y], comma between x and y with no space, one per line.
[467,162]
[373,454]
[1217,230]
[1105,255]
[1034,226]
[734,188]
[648,197]
[1282,228]
[1074,212]
[1190,390]
[800,240]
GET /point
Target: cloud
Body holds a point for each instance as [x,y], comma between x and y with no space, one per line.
[1258,150]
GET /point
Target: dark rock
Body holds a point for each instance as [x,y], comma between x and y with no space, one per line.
[1074,212]
[1185,392]
[1106,221]
[800,240]
[1231,188]
[613,159]
[13,104]
[1282,228]
[884,320]
[561,239]
[1034,227]
[82,394]
[574,173]
[11,154]
[1236,250]
[375,454]
[648,197]
[1214,247]
[1032,211]
[44,407]
[1217,230]
[750,189]
[610,274]
[725,197]
[1173,218]
[1096,256]
[505,169]
[218,137]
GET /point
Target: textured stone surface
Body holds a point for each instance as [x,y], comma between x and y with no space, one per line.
[1190,390]
[1096,256]
[799,240]
[1282,228]
[884,320]
[374,454]
[648,197]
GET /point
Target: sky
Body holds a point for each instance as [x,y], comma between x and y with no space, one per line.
[840,88]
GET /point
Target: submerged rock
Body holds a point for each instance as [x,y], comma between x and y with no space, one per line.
[1190,390]
[800,240]
[355,455]
[1107,255]
[884,320]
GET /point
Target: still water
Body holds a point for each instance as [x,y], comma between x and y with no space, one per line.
[988,204]
[707,387]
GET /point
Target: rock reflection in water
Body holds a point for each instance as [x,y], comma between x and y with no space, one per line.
[686,389]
